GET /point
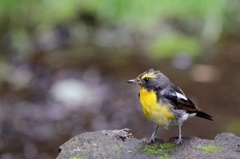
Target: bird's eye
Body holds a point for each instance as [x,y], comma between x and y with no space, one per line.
[146,79]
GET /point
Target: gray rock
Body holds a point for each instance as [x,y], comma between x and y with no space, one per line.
[120,144]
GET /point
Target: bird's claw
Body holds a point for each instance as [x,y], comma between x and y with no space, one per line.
[179,141]
[153,139]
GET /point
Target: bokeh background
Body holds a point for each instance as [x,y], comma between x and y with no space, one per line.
[64,66]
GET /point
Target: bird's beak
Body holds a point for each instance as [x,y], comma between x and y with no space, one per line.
[133,81]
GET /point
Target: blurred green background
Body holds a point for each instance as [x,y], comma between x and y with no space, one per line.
[64,66]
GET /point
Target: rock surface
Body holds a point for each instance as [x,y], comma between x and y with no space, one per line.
[119,144]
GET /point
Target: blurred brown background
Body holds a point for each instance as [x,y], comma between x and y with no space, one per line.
[64,66]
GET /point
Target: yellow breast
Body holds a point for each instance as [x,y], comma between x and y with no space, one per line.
[155,111]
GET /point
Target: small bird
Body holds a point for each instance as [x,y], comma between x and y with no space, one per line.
[164,103]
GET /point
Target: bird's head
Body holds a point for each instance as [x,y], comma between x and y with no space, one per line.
[150,80]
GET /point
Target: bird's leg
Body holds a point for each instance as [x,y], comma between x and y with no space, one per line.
[179,141]
[153,135]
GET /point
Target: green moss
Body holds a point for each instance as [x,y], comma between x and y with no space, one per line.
[158,148]
[73,139]
[65,155]
[164,157]
[136,148]
[155,148]
[116,147]
[209,148]
[167,145]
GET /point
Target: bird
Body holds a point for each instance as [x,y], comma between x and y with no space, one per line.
[164,103]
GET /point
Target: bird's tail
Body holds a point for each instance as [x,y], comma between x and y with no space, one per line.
[204,115]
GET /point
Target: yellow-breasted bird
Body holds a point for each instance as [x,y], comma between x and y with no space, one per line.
[164,103]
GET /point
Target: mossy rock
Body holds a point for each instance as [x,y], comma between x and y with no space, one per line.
[120,144]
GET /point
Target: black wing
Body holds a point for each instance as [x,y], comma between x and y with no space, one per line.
[176,97]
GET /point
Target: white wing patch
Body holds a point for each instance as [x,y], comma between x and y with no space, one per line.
[179,95]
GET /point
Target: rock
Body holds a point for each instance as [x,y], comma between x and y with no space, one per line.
[119,144]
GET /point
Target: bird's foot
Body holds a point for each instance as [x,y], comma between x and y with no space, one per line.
[151,140]
[179,141]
